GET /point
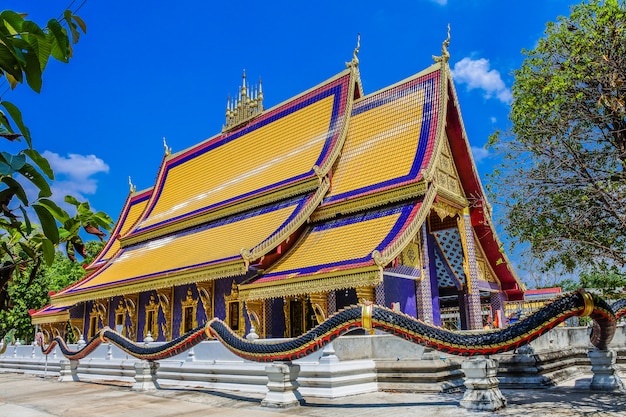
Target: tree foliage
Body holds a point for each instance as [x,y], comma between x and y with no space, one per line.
[562,183]
[36,294]
[31,227]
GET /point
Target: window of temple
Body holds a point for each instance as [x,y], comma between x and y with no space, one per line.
[189,308]
[299,316]
[151,324]
[97,315]
[234,313]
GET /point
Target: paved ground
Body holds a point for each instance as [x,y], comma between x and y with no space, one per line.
[32,396]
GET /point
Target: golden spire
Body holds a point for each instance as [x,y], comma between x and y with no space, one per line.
[168,150]
[133,187]
[246,106]
[445,55]
[355,60]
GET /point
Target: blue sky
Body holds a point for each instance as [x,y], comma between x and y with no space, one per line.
[152,69]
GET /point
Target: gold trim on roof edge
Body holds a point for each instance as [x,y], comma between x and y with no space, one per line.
[338,280]
[302,187]
[393,250]
[224,270]
[370,201]
[300,218]
[51,318]
[341,138]
[428,173]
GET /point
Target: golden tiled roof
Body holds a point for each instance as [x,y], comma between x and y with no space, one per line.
[390,139]
[349,248]
[278,149]
[208,252]
[133,208]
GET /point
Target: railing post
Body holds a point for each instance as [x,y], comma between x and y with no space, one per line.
[605,376]
[145,376]
[282,385]
[69,371]
[482,393]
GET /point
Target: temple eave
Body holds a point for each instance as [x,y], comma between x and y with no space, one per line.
[369,201]
[237,267]
[302,186]
[312,283]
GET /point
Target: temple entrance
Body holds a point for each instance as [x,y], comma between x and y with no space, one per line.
[301,317]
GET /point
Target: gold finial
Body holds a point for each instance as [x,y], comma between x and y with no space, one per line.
[247,105]
[133,187]
[445,55]
[355,60]
[168,150]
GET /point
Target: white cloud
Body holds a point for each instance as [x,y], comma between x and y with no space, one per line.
[73,174]
[76,166]
[475,73]
[493,119]
[479,153]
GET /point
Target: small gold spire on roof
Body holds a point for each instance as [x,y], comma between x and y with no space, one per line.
[168,150]
[247,105]
[132,186]
[355,60]
[445,55]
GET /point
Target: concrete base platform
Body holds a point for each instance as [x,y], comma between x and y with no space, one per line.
[31,396]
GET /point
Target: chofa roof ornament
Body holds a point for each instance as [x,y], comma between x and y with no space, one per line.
[445,55]
[355,60]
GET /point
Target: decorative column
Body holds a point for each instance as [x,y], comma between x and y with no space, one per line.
[365,293]
[472,296]
[605,376]
[482,393]
[427,288]
[69,371]
[332,302]
[282,385]
[497,306]
[145,376]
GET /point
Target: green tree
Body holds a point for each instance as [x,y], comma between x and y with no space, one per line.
[25,49]
[562,182]
[26,295]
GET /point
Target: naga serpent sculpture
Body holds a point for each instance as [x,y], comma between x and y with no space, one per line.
[8,339]
[373,317]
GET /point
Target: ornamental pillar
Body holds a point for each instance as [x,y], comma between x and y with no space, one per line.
[472,295]
[427,293]
[497,307]
[365,294]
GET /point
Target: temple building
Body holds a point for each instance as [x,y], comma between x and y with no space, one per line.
[352,198]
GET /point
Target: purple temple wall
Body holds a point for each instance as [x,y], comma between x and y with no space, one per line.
[277,318]
[180,293]
[403,291]
[222,287]
[88,307]
[144,298]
